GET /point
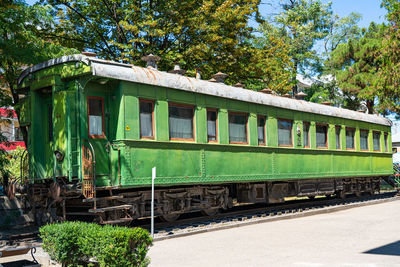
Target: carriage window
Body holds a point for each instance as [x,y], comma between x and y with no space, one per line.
[386,142]
[285,133]
[350,132]
[146,119]
[212,125]
[306,134]
[18,134]
[322,136]
[261,130]
[181,122]
[377,141]
[364,139]
[96,116]
[337,134]
[238,128]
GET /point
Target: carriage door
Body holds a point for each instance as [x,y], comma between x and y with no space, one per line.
[97,133]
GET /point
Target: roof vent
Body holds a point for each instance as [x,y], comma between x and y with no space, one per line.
[326,103]
[220,77]
[266,91]
[300,95]
[212,80]
[198,74]
[151,61]
[287,95]
[177,70]
[240,85]
[89,54]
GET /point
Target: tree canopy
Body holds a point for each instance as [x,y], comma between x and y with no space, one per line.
[389,75]
[357,64]
[300,25]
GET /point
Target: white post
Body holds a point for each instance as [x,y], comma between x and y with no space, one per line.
[153,177]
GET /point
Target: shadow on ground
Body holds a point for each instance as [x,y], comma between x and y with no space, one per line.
[392,249]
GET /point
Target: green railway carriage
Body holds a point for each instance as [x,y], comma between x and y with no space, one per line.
[212,144]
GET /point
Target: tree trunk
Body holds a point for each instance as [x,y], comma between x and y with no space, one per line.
[295,65]
[370,106]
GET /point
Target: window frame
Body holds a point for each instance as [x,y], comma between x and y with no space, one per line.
[152,102]
[96,136]
[174,104]
[247,128]
[354,138]
[308,134]
[216,125]
[326,133]
[265,130]
[364,130]
[340,137]
[291,131]
[379,139]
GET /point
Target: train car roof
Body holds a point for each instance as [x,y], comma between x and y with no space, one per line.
[131,73]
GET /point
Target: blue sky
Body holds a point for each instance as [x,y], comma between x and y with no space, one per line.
[369,9]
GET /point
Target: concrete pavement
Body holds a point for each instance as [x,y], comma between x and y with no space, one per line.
[364,236]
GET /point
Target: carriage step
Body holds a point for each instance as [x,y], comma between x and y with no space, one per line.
[122,220]
[102,198]
[99,210]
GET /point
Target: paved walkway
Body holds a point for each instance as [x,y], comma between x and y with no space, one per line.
[365,236]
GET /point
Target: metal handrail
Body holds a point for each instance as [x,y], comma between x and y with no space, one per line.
[94,171]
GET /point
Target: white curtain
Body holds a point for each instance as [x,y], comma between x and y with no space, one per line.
[261,134]
[181,127]
[321,136]
[95,125]
[306,139]
[237,132]
[337,132]
[363,140]
[377,143]
[350,139]
[146,124]
[211,130]
[284,133]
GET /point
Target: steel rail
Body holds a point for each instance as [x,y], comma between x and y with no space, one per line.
[256,214]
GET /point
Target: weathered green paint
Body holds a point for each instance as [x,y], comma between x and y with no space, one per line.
[178,162]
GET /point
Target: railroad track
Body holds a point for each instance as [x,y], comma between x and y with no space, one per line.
[239,216]
[253,214]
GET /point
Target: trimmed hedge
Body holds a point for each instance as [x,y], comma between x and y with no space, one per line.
[74,243]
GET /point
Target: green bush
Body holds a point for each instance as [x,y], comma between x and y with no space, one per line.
[74,243]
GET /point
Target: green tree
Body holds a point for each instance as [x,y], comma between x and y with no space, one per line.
[357,64]
[388,86]
[24,40]
[341,30]
[300,25]
[212,35]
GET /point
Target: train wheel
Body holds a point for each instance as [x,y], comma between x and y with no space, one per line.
[170,217]
[210,212]
[357,193]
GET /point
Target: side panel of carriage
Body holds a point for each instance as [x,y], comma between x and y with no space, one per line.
[106,114]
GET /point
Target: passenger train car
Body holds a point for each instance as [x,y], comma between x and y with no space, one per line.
[96,129]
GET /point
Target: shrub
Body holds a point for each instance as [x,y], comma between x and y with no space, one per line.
[74,243]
